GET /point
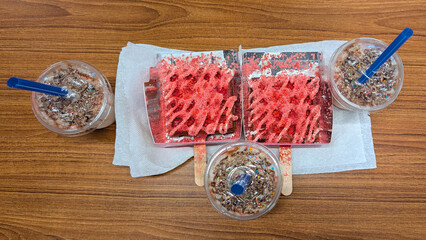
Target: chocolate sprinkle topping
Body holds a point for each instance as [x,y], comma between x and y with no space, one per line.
[259,192]
[356,59]
[80,106]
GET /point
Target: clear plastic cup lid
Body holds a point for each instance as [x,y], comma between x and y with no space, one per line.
[243,180]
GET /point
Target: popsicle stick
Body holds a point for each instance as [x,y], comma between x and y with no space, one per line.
[199,163]
[285,163]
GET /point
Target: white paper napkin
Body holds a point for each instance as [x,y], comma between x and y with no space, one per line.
[351,146]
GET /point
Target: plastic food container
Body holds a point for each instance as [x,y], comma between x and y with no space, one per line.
[88,106]
[243,180]
[349,62]
[194,98]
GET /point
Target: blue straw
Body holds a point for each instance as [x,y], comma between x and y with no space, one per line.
[240,186]
[23,84]
[389,51]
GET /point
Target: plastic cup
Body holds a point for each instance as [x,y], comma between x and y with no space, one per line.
[349,62]
[88,106]
[243,180]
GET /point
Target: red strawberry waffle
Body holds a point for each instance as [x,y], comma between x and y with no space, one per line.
[194,99]
[285,99]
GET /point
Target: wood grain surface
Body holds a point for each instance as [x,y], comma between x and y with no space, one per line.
[53,187]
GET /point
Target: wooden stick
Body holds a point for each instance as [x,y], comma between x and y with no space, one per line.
[200,161]
[285,163]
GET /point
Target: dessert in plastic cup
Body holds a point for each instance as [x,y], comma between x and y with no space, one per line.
[89,104]
[243,180]
[349,62]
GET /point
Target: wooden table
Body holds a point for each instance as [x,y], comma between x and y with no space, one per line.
[53,187]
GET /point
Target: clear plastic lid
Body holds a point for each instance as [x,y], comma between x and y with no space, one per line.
[243,180]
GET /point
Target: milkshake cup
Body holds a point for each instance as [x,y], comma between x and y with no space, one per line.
[89,104]
[349,62]
[243,180]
